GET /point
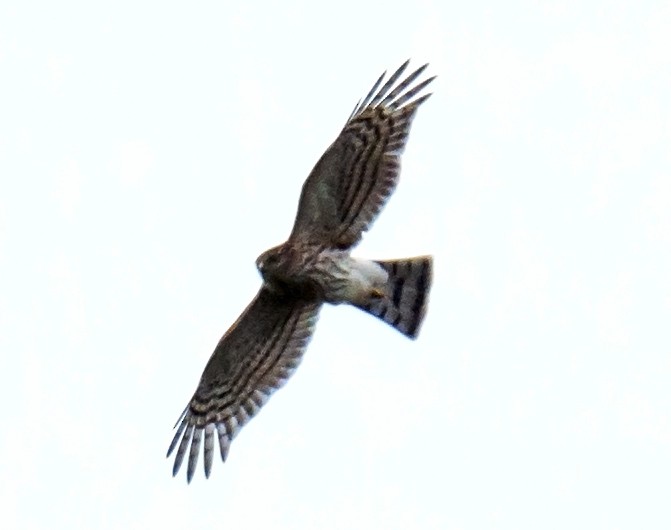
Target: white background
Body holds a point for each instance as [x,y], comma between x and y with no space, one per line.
[150,151]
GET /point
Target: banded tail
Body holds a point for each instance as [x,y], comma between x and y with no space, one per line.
[407,294]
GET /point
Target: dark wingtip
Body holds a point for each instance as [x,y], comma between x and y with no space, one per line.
[177,435]
[181,416]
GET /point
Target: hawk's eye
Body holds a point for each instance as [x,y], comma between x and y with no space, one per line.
[267,260]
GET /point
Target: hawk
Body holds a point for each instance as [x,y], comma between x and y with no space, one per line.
[340,199]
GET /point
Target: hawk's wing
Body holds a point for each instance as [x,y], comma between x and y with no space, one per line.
[356,175]
[254,358]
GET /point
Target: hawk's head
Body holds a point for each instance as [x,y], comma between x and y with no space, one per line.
[283,270]
[272,264]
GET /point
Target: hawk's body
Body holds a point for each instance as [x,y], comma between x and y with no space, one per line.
[340,199]
[331,275]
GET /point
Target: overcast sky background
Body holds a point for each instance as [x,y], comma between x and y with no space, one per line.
[150,151]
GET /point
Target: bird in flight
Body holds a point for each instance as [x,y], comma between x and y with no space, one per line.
[340,199]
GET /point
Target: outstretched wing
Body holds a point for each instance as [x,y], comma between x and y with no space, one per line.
[254,358]
[357,174]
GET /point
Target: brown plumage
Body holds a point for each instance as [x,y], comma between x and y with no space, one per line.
[340,199]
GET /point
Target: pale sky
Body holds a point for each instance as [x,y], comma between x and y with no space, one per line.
[150,151]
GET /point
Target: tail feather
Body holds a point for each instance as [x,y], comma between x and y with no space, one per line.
[404,301]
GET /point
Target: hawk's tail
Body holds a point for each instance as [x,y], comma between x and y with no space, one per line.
[403,305]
